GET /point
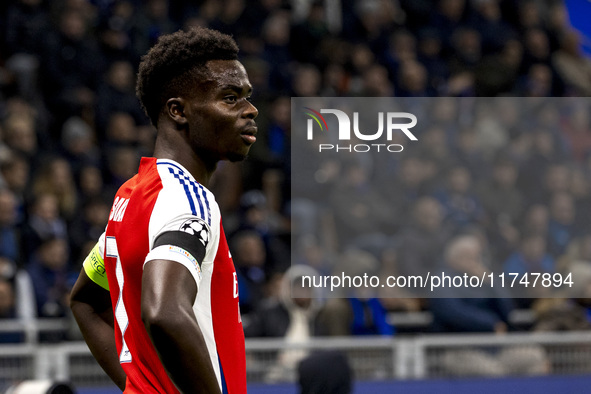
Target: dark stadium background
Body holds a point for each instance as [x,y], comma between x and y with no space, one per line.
[71,131]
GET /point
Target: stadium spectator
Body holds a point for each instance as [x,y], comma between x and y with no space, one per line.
[122,162]
[435,147]
[487,311]
[460,204]
[306,81]
[114,34]
[116,95]
[572,66]
[9,233]
[151,20]
[56,178]
[423,242]
[87,228]
[276,54]
[533,177]
[561,228]
[489,21]
[78,141]
[449,15]
[69,67]
[531,257]
[358,207]
[51,277]
[290,314]
[250,259]
[90,183]
[503,204]
[256,214]
[375,82]
[284,314]
[362,313]
[20,135]
[26,23]
[576,129]
[44,223]
[8,268]
[7,311]
[15,171]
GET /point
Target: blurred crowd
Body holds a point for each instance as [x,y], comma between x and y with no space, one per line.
[72,132]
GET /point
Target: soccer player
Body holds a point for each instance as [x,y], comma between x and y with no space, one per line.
[157,298]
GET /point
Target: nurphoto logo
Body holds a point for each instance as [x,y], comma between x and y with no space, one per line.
[392,122]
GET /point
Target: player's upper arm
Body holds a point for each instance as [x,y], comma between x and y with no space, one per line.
[94,264]
[183,240]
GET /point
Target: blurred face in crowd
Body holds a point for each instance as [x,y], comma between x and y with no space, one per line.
[453,9]
[536,219]
[157,9]
[459,180]
[73,26]
[376,82]
[534,248]
[536,42]
[250,250]
[121,76]
[505,174]
[7,208]
[558,178]
[302,296]
[428,214]
[91,180]
[47,207]
[404,46]
[54,254]
[276,29]
[489,9]
[122,128]
[464,254]
[413,76]
[411,172]
[562,208]
[6,298]
[97,214]
[307,81]
[282,112]
[20,134]
[123,162]
[16,174]
[61,174]
[540,81]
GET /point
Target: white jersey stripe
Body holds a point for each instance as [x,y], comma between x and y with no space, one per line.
[198,201]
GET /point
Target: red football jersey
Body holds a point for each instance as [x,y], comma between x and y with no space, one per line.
[163,198]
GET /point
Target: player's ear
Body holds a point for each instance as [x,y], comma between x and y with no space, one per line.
[175,109]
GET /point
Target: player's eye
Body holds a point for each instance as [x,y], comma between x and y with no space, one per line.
[231,98]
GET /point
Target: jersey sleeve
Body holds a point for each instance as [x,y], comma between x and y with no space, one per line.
[184,240]
[94,264]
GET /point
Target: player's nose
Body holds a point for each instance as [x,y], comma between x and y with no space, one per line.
[251,111]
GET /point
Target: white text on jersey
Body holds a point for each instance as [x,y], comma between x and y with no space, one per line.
[118,209]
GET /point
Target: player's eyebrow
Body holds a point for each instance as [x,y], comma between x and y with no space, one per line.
[239,89]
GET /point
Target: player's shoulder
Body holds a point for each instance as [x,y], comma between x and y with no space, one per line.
[182,194]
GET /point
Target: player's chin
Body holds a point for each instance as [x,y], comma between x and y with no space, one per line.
[237,156]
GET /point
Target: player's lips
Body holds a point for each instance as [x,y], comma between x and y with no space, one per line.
[248,134]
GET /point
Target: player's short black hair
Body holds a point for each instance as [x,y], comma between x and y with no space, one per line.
[174,66]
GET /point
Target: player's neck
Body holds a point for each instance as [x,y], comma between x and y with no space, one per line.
[198,166]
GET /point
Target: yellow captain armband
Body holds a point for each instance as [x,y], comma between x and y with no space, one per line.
[94,266]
